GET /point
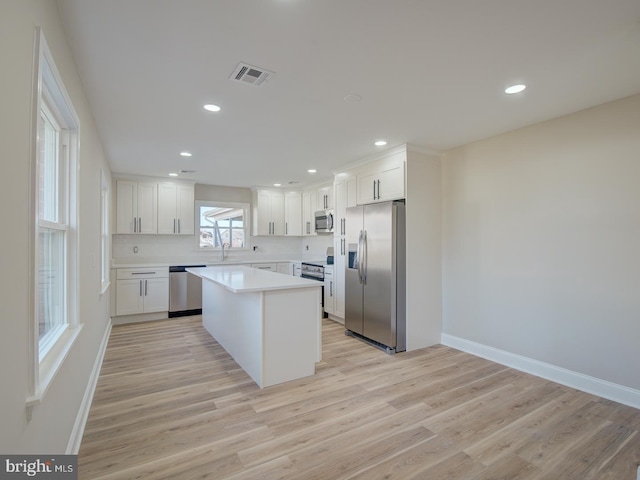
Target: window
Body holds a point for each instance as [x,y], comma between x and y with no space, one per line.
[222,223]
[54,324]
[52,228]
[104,232]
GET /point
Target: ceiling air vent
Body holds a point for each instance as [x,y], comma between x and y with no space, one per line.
[249,74]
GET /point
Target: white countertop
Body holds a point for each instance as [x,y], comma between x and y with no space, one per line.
[146,263]
[242,279]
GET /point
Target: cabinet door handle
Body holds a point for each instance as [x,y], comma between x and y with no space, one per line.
[140,287]
[331,289]
[179,229]
[286,228]
[145,287]
[174,225]
[139,224]
[143,273]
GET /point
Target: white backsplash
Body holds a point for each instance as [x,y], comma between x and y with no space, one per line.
[182,249]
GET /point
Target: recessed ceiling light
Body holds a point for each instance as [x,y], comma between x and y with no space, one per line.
[514,89]
[186,154]
[211,107]
[312,170]
[352,98]
[277,184]
[173,174]
[380,143]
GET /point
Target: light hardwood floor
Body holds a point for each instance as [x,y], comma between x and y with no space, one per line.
[172,404]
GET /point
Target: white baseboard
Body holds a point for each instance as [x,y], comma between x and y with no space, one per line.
[586,383]
[83,412]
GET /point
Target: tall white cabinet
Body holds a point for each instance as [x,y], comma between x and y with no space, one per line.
[344,197]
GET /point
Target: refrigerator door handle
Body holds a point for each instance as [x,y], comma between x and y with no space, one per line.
[359,257]
[364,259]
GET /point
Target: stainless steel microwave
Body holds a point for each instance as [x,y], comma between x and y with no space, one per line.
[324,221]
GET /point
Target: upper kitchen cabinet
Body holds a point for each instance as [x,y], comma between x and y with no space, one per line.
[309,203]
[136,207]
[382,180]
[293,213]
[268,212]
[345,197]
[325,197]
[176,208]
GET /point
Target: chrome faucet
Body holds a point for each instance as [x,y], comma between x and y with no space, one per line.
[222,245]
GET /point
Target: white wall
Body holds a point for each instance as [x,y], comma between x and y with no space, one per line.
[541,238]
[50,428]
[424,271]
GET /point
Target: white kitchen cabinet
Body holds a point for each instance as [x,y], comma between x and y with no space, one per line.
[329,290]
[339,265]
[269,267]
[383,181]
[285,267]
[293,213]
[324,197]
[136,207]
[345,197]
[176,208]
[268,213]
[309,202]
[142,290]
[297,268]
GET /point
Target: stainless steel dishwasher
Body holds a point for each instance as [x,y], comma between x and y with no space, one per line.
[185,292]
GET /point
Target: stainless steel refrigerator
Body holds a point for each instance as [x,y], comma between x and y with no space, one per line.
[375,275]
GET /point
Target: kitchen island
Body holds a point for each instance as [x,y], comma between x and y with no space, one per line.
[270,323]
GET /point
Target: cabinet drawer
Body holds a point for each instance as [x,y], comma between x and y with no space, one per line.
[138,273]
[271,267]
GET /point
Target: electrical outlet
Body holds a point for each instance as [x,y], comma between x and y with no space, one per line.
[135,249]
[307,247]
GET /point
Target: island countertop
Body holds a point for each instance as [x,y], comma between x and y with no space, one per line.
[243,279]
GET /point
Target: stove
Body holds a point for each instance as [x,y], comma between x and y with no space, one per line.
[313,270]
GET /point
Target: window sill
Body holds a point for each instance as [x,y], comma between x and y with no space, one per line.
[50,365]
[105,287]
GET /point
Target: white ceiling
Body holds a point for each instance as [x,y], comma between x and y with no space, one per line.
[430,73]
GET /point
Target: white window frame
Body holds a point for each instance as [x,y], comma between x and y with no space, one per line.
[105,237]
[49,92]
[245,219]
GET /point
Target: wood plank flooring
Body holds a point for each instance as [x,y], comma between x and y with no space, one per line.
[172,404]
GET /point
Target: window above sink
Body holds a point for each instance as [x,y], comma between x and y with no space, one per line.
[222,223]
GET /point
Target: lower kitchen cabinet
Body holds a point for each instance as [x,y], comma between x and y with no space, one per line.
[329,290]
[142,290]
[285,267]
